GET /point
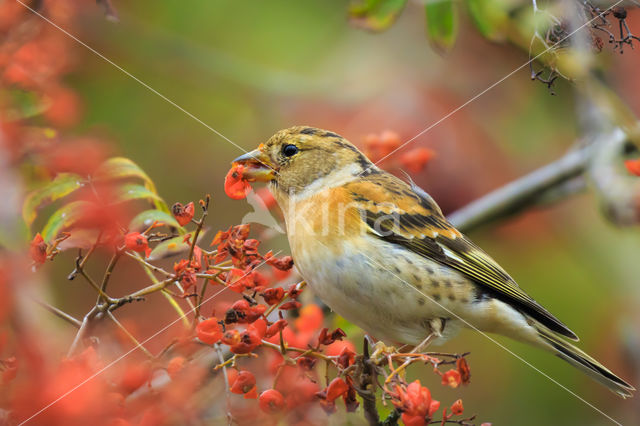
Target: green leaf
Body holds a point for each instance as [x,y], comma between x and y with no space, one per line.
[63,185]
[132,191]
[375,15]
[490,17]
[442,24]
[122,168]
[117,168]
[172,247]
[27,104]
[147,217]
[64,218]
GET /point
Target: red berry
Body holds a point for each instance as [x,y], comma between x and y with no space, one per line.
[135,241]
[234,185]
[271,401]
[209,331]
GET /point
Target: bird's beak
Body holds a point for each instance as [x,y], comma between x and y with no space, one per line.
[258,166]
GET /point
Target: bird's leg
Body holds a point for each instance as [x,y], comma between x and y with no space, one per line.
[437,327]
[372,341]
[425,343]
[409,359]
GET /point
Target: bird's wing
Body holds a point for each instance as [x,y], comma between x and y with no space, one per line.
[405,215]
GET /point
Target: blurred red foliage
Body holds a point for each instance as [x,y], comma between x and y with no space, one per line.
[269,345]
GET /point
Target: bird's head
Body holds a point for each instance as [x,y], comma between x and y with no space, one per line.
[302,158]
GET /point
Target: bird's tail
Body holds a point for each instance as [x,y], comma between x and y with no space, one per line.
[583,362]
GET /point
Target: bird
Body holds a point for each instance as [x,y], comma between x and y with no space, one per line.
[379,251]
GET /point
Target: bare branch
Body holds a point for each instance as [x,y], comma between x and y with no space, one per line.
[59,313]
[520,194]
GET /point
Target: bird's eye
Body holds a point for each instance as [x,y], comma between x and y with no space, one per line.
[289,150]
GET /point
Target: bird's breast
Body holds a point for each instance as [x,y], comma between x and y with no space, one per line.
[390,292]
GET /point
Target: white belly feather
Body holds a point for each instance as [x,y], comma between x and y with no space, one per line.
[387,291]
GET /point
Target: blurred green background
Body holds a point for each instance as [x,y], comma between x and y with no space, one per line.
[248,69]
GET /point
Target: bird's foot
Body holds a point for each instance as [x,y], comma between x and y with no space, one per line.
[380,350]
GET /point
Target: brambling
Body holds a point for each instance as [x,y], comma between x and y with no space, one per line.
[379,252]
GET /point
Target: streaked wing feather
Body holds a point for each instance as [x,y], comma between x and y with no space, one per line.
[405,217]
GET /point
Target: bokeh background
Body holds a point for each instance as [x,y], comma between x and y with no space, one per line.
[248,69]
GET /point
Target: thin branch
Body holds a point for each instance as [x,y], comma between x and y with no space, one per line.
[226,384]
[147,265]
[90,280]
[82,331]
[73,273]
[129,335]
[59,313]
[366,387]
[304,352]
[192,308]
[149,269]
[203,290]
[107,276]
[205,211]
[521,193]
[151,289]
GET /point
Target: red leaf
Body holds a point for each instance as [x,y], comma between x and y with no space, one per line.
[183,214]
[326,338]
[290,305]
[463,369]
[336,389]
[457,408]
[276,328]
[273,295]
